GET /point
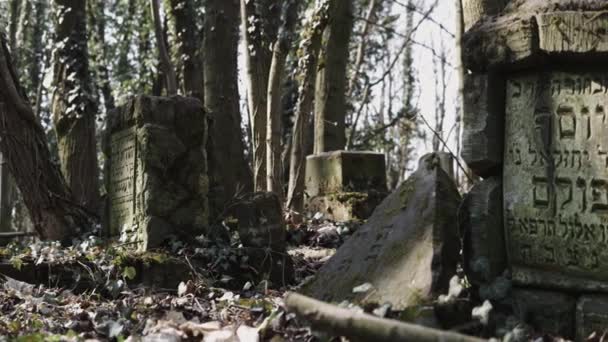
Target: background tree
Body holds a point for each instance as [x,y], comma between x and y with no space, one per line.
[274,169]
[310,45]
[73,104]
[330,92]
[259,23]
[228,169]
[187,35]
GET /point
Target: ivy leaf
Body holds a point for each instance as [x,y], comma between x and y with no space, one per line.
[129,272]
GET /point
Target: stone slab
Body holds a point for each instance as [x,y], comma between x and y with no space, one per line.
[407,250]
[556,179]
[156,170]
[483,123]
[481,221]
[547,312]
[574,32]
[567,30]
[345,171]
[591,316]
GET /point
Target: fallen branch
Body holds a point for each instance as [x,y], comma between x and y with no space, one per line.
[16,234]
[364,327]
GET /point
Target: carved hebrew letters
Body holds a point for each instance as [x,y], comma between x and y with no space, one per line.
[556,173]
[123,179]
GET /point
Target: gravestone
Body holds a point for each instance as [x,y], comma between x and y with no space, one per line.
[406,252]
[156,170]
[556,178]
[538,88]
[345,185]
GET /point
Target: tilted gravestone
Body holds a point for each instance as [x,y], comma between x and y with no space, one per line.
[407,251]
[345,185]
[535,118]
[156,170]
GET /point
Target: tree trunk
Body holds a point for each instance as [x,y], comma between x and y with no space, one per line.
[100,57]
[165,60]
[259,25]
[188,48]
[55,213]
[73,107]
[307,70]
[6,197]
[13,22]
[228,169]
[274,169]
[330,97]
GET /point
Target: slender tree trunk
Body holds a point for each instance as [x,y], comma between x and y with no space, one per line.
[307,71]
[188,47]
[371,10]
[228,169]
[274,169]
[73,107]
[330,97]
[13,22]
[165,60]
[98,29]
[56,215]
[259,25]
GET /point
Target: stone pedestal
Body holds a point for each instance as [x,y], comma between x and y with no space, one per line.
[156,170]
[345,185]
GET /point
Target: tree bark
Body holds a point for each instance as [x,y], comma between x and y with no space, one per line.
[259,25]
[54,212]
[330,97]
[274,169]
[307,71]
[364,327]
[100,57]
[165,60]
[73,106]
[188,48]
[228,170]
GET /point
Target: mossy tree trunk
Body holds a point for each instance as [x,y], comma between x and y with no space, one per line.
[229,172]
[73,105]
[307,71]
[330,92]
[55,213]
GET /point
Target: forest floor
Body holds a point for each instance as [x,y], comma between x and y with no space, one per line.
[211,305]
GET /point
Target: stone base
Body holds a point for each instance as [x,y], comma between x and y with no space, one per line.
[546,311]
[345,185]
[591,316]
[346,206]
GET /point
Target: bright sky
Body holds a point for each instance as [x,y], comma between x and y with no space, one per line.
[431,34]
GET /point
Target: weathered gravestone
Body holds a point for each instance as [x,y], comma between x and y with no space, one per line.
[156,170]
[345,185]
[407,250]
[539,87]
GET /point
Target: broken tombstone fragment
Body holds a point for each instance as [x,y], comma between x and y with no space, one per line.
[407,250]
[258,218]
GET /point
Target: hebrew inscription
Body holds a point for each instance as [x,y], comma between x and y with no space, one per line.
[556,173]
[122,183]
